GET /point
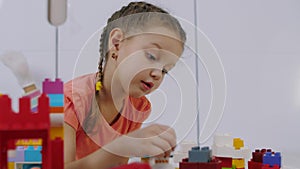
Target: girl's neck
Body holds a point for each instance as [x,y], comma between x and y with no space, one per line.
[112,94]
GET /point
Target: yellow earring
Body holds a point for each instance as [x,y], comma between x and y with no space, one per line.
[98,86]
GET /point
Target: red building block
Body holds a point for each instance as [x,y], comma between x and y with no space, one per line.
[134,166]
[254,165]
[213,164]
[226,161]
[57,153]
[267,166]
[257,155]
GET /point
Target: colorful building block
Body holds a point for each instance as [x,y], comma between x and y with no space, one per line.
[20,154]
[182,150]
[134,166]
[264,159]
[254,165]
[31,166]
[57,153]
[238,143]
[203,154]
[55,87]
[272,159]
[257,155]
[56,100]
[11,165]
[223,146]
[56,132]
[226,162]
[267,166]
[200,155]
[33,154]
[238,163]
[213,164]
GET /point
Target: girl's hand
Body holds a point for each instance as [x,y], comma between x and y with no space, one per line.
[154,140]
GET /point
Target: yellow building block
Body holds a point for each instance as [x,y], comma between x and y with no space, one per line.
[29,142]
[11,165]
[56,132]
[238,163]
[238,143]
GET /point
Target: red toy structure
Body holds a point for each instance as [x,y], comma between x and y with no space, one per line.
[26,124]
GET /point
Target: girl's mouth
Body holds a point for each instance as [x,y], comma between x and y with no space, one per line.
[147,85]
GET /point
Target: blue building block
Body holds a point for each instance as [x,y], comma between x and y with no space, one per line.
[33,155]
[56,100]
[200,155]
[272,159]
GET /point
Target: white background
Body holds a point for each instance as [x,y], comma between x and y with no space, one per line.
[258,43]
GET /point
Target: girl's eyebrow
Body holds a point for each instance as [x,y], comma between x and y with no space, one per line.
[157,45]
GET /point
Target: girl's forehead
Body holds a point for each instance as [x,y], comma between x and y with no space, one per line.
[157,31]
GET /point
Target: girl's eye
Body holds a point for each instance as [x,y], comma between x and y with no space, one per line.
[151,57]
[164,71]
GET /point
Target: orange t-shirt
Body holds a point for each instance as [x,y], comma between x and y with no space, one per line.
[80,101]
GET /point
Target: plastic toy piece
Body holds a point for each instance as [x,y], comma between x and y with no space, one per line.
[54,91]
[11,165]
[56,100]
[161,160]
[33,154]
[56,132]
[254,165]
[200,155]
[226,162]
[272,159]
[57,153]
[223,146]
[55,87]
[257,156]
[29,142]
[183,150]
[267,166]
[257,161]
[238,163]
[238,143]
[213,164]
[134,166]
[56,109]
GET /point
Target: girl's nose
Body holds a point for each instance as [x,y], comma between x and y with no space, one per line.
[156,74]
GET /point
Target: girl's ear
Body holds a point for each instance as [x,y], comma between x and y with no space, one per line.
[115,37]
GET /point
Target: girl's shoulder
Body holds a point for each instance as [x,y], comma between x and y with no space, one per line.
[140,104]
[137,109]
[80,85]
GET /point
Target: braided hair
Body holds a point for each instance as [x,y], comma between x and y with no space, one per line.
[149,11]
[134,16]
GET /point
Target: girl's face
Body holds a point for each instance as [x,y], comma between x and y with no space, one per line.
[144,59]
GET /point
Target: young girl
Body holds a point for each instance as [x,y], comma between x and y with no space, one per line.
[104,111]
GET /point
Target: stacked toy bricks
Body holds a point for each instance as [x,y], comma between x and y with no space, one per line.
[26,155]
[55,92]
[200,158]
[230,151]
[265,159]
[27,124]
